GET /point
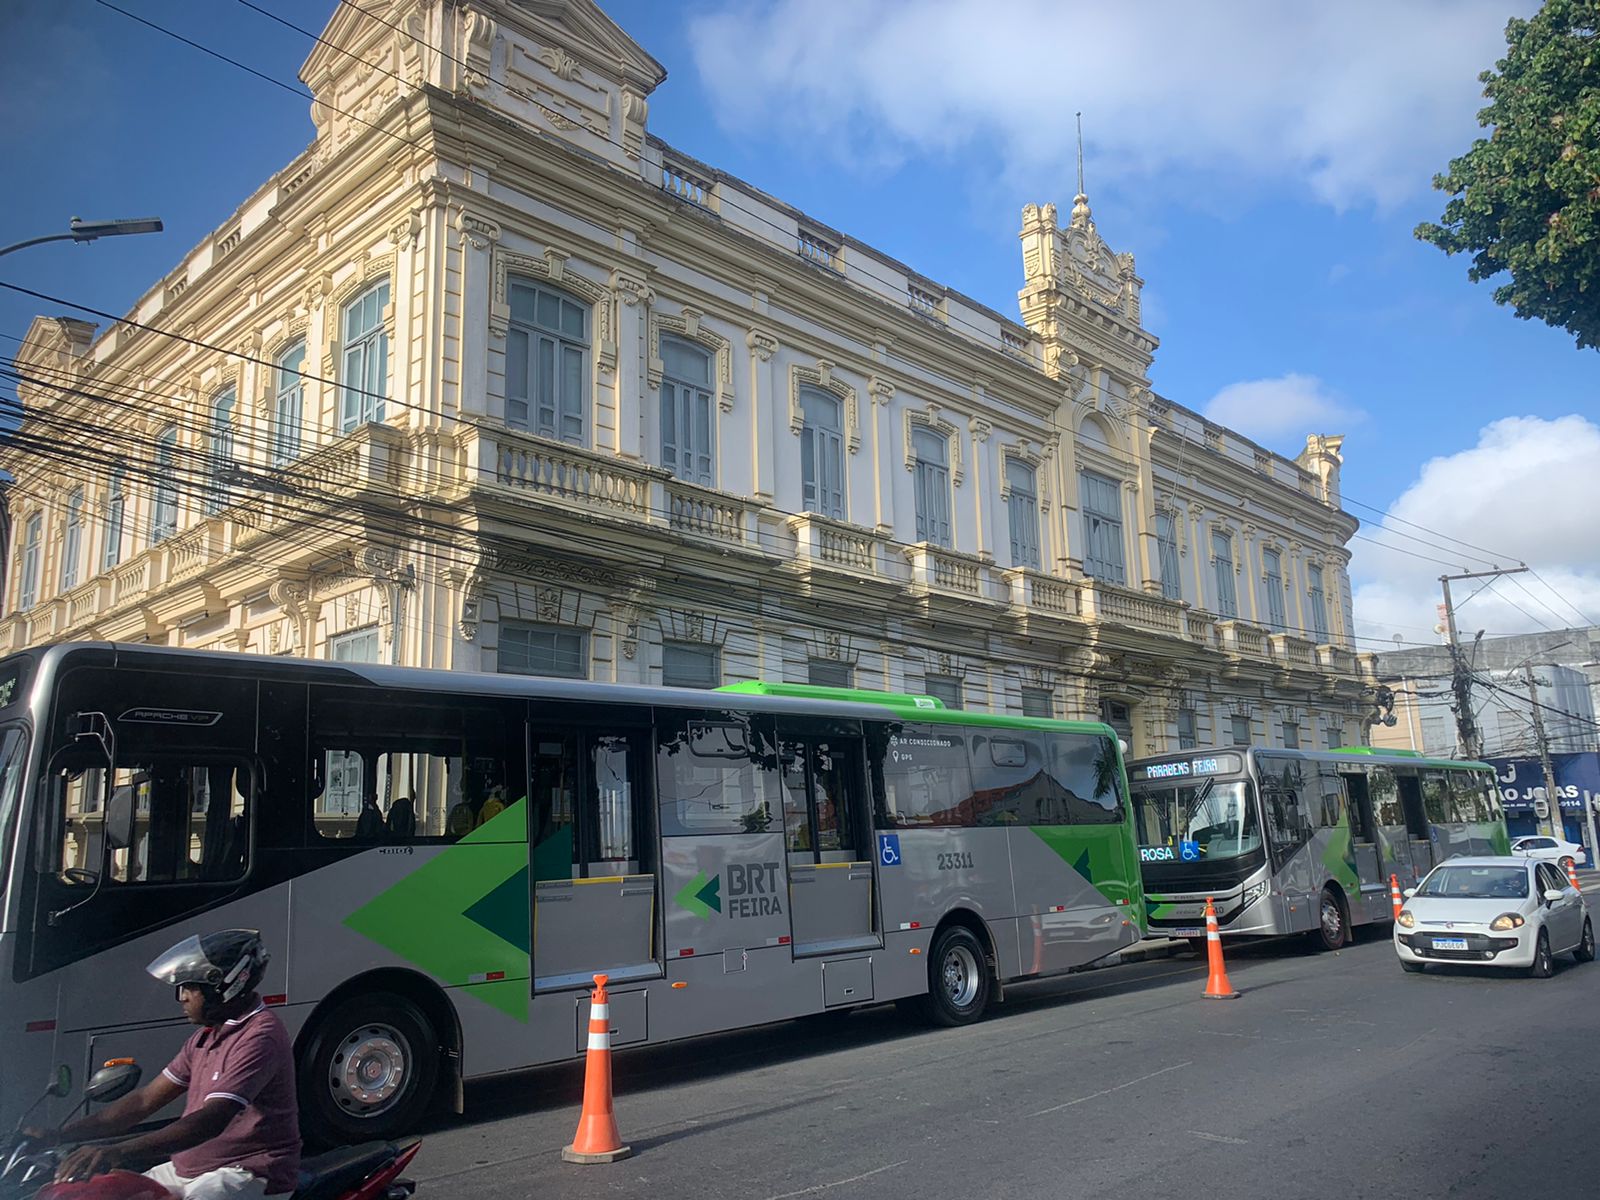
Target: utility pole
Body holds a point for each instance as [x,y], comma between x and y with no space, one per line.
[1552,825]
[1460,675]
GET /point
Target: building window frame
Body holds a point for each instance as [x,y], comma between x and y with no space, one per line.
[1104,554]
[1022,511]
[690,664]
[116,514]
[946,688]
[688,426]
[364,357]
[1038,702]
[930,451]
[164,494]
[566,648]
[1319,604]
[1272,588]
[1234,729]
[354,645]
[822,474]
[1167,554]
[829,672]
[220,444]
[1188,729]
[288,404]
[31,561]
[1223,570]
[72,541]
[548,359]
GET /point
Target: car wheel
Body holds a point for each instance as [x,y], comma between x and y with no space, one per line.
[368,1070]
[1544,965]
[1585,950]
[1411,968]
[958,979]
[1331,924]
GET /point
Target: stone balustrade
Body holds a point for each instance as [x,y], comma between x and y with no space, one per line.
[710,514]
[567,474]
[1242,638]
[1034,592]
[1102,601]
[933,568]
[1293,651]
[838,545]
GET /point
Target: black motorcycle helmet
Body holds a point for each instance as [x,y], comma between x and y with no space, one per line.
[227,963]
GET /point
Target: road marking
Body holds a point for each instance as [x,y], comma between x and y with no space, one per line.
[1217,1137]
[1109,1090]
[822,1187]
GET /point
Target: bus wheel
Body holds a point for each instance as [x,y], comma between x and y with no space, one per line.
[958,979]
[368,1070]
[1331,925]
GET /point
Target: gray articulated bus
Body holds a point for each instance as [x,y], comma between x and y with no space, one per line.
[440,861]
[1292,841]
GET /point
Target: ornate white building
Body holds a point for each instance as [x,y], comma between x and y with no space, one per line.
[490,378]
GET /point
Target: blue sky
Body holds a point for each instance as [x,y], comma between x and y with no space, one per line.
[1265,163]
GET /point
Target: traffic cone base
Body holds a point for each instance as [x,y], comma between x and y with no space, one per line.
[1217,985]
[598,1140]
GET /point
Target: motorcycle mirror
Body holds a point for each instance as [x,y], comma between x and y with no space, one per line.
[112,1081]
[61,1085]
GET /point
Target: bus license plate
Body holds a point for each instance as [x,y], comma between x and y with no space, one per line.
[1449,943]
[1188,933]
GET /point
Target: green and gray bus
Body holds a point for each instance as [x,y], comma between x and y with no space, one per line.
[1292,841]
[441,861]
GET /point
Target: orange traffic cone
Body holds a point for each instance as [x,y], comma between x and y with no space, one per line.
[1217,985]
[1572,876]
[597,1139]
[1394,895]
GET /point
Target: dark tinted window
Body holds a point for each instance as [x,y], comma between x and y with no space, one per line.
[926,777]
[715,775]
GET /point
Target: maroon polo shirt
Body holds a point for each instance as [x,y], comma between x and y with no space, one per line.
[247,1061]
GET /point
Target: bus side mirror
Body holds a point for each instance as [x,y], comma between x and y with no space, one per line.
[119,818]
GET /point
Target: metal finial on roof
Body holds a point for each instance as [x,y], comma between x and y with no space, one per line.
[1080,202]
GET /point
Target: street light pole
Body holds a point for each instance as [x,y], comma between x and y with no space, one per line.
[87,231]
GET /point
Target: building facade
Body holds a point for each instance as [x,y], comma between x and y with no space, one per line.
[490,378]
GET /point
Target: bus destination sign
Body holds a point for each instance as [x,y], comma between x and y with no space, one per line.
[1183,768]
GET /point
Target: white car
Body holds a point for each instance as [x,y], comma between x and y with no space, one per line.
[1549,849]
[1494,912]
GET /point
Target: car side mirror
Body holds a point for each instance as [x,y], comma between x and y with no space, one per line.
[1551,895]
[1409,892]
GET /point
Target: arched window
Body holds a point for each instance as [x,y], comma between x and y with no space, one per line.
[366,358]
[1167,553]
[288,407]
[686,411]
[116,503]
[220,457]
[1319,604]
[932,484]
[72,542]
[821,453]
[1272,589]
[547,363]
[1022,508]
[32,551]
[1222,562]
[164,496]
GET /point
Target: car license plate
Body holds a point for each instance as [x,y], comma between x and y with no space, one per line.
[1188,932]
[1449,943]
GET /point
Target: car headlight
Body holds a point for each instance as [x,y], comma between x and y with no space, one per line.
[1254,892]
[1507,921]
[1405,920]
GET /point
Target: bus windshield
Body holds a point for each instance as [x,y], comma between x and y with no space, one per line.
[1217,816]
[13,750]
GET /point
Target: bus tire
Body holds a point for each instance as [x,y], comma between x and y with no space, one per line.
[1333,922]
[368,1070]
[958,979]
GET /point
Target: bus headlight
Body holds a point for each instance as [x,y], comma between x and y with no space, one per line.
[1405,920]
[1507,921]
[1253,893]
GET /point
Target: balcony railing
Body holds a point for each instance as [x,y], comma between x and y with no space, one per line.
[1107,602]
[707,513]
[1240,638]
[837,545]
[580,478]
[933,568]
[1293,651]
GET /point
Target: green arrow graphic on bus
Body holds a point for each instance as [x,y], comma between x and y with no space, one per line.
[701,894]
[463,916]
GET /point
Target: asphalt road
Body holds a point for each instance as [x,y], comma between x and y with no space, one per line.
[1332,1076]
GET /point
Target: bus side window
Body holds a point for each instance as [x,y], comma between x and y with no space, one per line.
[714,774]
[191,824]
[1437,801]
[1010,784]
[1084,769]
[1385,791]
[927,779]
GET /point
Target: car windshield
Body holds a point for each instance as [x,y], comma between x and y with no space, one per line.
[1219,817]
[13,750]
[1476,883]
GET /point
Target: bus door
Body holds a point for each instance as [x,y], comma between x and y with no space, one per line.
[1364,832]
[1388,813]
[825,812]
[1416,817]
[592,855]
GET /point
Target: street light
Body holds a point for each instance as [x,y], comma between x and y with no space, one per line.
[87,231]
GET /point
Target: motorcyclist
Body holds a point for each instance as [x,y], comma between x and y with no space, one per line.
[239,1135]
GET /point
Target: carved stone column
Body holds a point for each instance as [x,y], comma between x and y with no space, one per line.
[478,238]
[980,429]
[763,346]
[633,297]
[883,474]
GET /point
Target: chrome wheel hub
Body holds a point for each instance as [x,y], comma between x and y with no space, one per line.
[370,1069]
[960,974]
[1332,921]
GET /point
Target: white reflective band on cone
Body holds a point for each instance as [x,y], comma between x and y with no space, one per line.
[599,1012]
[600,1041]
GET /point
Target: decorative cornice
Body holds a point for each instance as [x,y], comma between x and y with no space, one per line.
[929,418]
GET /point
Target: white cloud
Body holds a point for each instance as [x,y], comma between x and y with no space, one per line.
[1530,491]
[1289,406]
[1354,102]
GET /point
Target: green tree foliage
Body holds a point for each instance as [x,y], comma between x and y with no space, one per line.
[1526,199]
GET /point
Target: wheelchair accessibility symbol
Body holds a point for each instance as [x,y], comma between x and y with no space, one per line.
[1189,851]
[889,849]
